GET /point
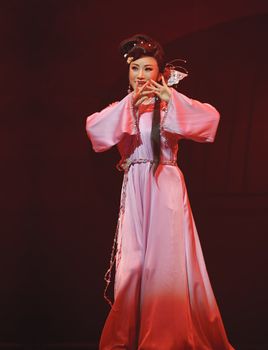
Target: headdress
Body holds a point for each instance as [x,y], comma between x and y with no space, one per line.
[174,73]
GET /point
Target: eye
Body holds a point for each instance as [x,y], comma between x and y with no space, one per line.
[148,69]
[134,68]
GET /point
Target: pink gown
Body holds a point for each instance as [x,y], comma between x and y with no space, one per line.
[163,296]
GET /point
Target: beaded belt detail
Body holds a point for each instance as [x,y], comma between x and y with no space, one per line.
[126,163]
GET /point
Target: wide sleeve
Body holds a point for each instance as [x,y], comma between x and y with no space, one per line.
[190,118]
[106,128]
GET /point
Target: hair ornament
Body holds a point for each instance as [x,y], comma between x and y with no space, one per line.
[130,59]
[175,73]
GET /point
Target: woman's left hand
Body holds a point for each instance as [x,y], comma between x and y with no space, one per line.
[162,91]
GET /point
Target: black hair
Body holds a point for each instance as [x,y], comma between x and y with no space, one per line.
[140,45]
[137,46]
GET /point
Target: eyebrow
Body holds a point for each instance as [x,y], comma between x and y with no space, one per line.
[146,65]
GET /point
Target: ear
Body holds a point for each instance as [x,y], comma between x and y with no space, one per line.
[159,78]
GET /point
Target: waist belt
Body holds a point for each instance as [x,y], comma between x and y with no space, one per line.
[124,165]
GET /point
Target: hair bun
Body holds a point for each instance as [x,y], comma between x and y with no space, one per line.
[140,45]
[136,40]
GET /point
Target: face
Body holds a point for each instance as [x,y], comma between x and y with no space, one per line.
[143,69]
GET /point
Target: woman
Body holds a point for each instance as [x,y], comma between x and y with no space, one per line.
[163,297]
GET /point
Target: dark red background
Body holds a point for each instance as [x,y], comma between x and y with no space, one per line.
[59,200]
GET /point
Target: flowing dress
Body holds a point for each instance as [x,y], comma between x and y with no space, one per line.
[163,299]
